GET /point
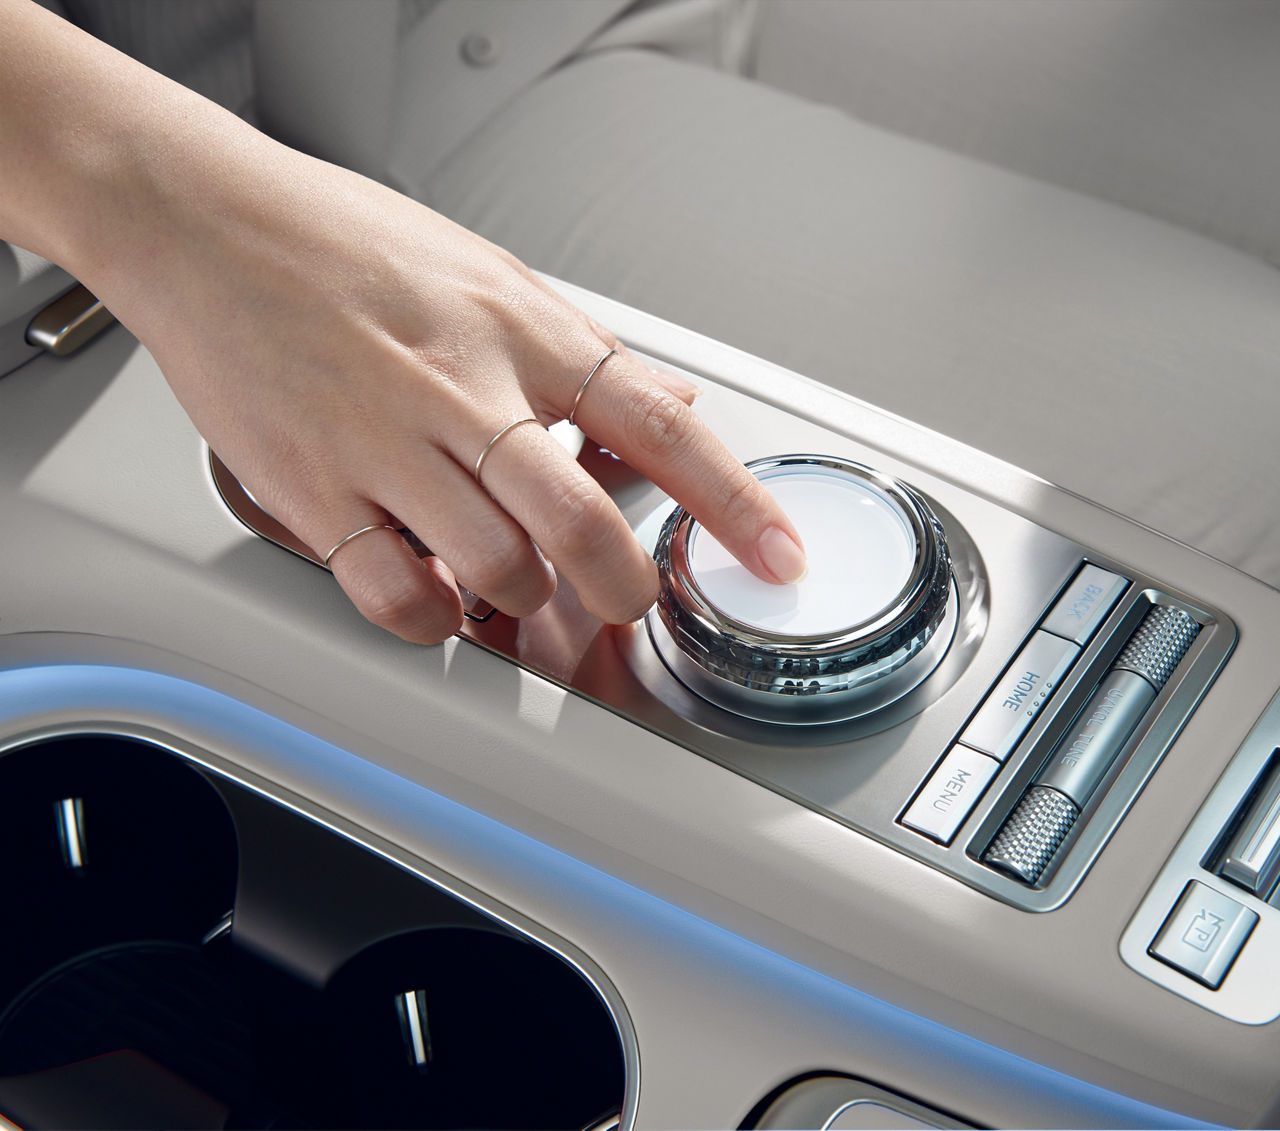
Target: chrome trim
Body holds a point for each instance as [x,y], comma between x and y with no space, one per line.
[819,1101]
[69,813]
[828,677]
[71,321]
[890,679]
[220,930]
[1252,859]
[415,1029]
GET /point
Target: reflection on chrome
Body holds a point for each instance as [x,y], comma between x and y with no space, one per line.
[69,813]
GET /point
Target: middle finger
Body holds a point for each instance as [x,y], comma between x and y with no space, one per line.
[573,521]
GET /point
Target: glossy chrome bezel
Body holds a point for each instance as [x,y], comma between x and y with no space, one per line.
[748,669]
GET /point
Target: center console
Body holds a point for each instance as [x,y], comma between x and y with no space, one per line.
[974,824]
[952,679]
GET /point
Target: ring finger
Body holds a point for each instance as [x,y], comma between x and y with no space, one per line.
[484,547]
[573,521]
[392,587]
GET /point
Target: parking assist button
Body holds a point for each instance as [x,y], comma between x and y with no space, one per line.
[1204,934]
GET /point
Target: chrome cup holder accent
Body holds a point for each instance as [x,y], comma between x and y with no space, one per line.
[872,618]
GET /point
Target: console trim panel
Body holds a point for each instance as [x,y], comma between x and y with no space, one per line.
[865,773]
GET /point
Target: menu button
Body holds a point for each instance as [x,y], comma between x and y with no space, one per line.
[950,793]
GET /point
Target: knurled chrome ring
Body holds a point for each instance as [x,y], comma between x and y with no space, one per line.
[818,676]
[583,387]
[484,455]
[356,534]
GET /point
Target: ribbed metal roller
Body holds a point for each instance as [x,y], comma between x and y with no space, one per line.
[1158,645]
[1044,817]
[1029,838]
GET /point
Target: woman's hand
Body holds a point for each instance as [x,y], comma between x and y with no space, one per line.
[352,357]
[350,354]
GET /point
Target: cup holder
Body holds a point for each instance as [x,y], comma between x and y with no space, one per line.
[104,841]
[485,1030]
[183,952]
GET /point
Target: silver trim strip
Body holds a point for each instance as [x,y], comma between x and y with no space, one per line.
[71,321]
[1253,859]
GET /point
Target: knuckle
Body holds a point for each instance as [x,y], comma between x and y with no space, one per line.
[582,527]
[406,603]
[662,423]
[395,603]
[625,613]
[512,578]
[536,588]
[739,501]
[494,574]
[606,336]
[623,607]
[438,629]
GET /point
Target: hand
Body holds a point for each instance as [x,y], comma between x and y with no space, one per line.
[349,354]
[410,344]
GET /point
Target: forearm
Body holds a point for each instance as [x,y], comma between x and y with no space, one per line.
[99,153]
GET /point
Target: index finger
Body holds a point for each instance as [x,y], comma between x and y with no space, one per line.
[659,435]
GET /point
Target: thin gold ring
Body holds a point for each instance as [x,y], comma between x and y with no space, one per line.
[489,446]
[356,534]
[583,387]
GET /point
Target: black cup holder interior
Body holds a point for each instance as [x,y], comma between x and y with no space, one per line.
[183,952]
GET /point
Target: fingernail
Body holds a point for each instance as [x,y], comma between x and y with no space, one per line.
[781,555]
[685,390]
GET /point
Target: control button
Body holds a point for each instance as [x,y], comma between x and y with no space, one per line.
[1019,694]
[950,793]
[1084,604]
[1253,857]
[867,623]
[1085,753]
[1204,934]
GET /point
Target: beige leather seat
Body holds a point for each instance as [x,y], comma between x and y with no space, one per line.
[1124,358]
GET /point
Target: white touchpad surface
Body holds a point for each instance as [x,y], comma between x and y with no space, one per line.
[860,547]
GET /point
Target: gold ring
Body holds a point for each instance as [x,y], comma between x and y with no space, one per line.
[489,446]
[356,534]
[583,387]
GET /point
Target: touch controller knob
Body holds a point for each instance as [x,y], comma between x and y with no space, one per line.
[868,622]
[1048,811]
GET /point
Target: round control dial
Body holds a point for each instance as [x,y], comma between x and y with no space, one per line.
[868,621]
